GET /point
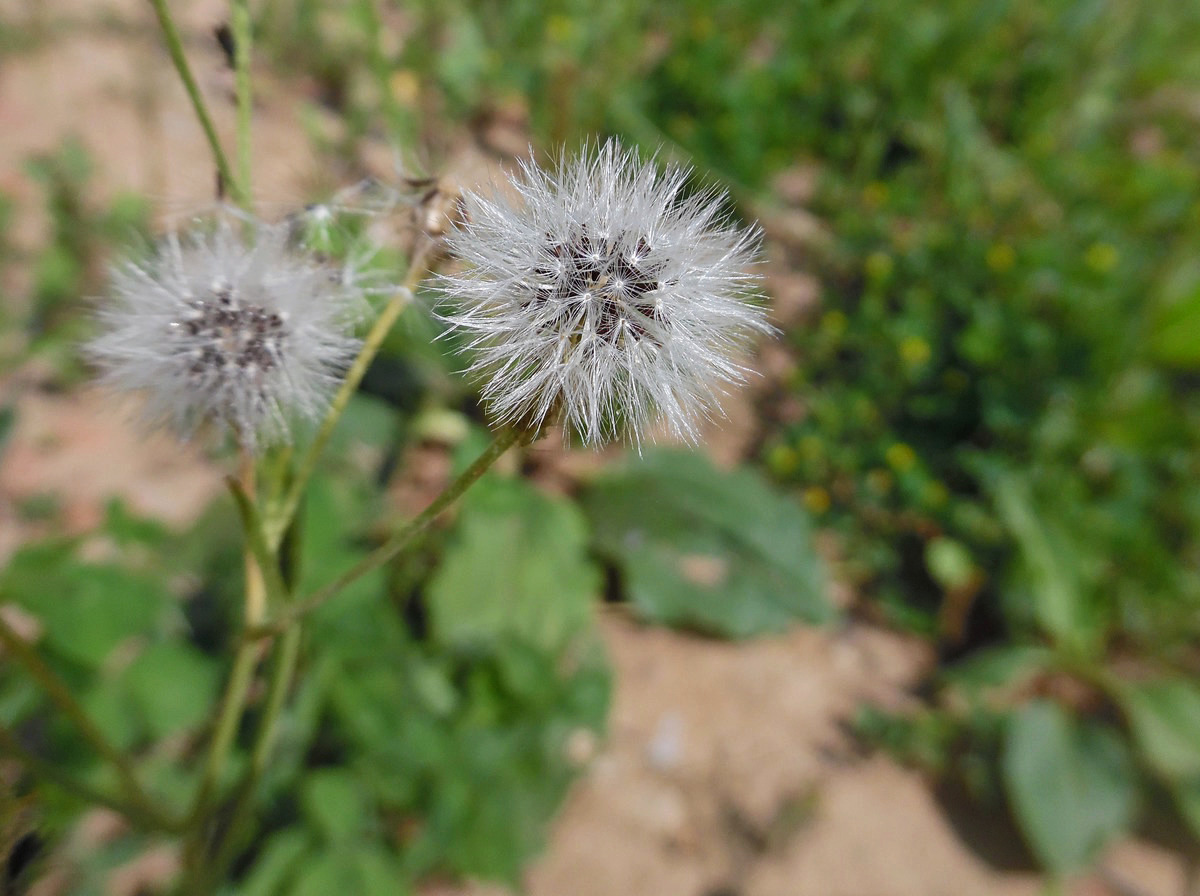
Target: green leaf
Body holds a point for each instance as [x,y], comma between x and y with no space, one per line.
[111,708]
[1070,783]
[379,872]
[716,551]
[277,864]
[1007,667]
[364,870]
[86,610]
[8,420]
[337,513]
[1164,717]
[127,528]
[1175,339]
[950,563]
[172,686]
[517,565]
[1061,603]
[334,804]
[1187,800]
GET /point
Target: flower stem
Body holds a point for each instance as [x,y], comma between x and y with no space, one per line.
[175,48]
[237,689]
[240,25]
[394,545]
[256,543]
[278,521]
[282,675]
[77,788]
[58,692]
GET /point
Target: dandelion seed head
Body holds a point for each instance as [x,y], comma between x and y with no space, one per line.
[605,294]
[228,324]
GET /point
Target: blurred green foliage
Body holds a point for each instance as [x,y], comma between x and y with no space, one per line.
[717,552]
[431,732]
[999,412]
[68,266]
[999,418]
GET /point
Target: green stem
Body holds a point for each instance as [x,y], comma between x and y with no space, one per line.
[256,542]
[175,48]
[282,675]
[243,36]
[394,545]
[76,788]
[59,694]
[237,689]
[279,520]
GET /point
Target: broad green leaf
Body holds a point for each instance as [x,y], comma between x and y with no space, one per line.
[361,871]
[1061,602]
[128,528]
[276,865]
[86,610]
[1007,667]
[379,872]
[1165,719]
[1187,800]
[1174,341]
[323,873]
[172,686]
[950,563]
[334,804]
[112,709]
[517,565]
[336,514]
[1070,783]
[18,698]
[716,551]
[8,419]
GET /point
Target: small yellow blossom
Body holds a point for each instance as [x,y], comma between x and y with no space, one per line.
[1001,257]
[816,499]
[901,457]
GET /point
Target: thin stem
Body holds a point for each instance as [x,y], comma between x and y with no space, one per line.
[394,545]
[57,775]
[278,522]
[175,48]
[77,788]
[277,690]
[58,692]
[237,689]
[240,25]
[256,542]
[282,675]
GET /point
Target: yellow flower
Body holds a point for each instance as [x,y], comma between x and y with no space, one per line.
[901,457]
[1001,257]
[1102,257]
[559,28]
[875,194]
[783,460]
[915,351]
[879,265]
[816,499]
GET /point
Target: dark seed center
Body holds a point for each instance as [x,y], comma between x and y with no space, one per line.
[225,335]
[618,284]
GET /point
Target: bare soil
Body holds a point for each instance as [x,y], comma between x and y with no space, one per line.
[727,770]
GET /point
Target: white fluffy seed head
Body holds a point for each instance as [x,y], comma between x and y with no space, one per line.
[227,324]
[605,295]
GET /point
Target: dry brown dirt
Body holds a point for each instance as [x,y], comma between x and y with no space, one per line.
[726,771]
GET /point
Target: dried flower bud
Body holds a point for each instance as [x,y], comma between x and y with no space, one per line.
[607,296]
[227,325]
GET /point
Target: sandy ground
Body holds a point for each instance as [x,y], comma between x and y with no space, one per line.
[727,771]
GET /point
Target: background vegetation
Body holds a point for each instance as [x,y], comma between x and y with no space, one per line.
[998,418]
